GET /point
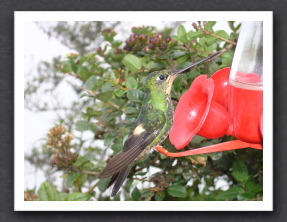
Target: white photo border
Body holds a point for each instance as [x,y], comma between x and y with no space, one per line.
[22,17]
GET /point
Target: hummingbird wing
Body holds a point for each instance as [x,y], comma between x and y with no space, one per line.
[128,156]
[142,136]
[119,178]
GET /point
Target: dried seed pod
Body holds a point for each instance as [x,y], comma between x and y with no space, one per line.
[163,46]
[151,46]
[151,39]
[143,37]
[167,39]
[156,41]
[146,49]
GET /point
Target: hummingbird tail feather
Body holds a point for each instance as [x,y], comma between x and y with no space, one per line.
[120,165]
[119,162]
[120,178]
[113,179]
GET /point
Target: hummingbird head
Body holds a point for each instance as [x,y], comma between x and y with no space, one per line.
[161,81]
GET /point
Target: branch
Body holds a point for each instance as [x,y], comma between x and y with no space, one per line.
[167,59]
[87,91]
[93,94]
[225,49]
[76,76]
[84,171]
[92,188]
[143,180]
[216,36]
[170,63]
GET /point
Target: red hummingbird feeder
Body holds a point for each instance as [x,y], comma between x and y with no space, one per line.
[230,102]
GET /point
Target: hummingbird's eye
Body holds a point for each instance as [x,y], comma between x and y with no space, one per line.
[162,77]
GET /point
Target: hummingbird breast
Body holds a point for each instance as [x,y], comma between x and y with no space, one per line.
[162,106]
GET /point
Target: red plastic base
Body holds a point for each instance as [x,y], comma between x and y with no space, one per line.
[231,145]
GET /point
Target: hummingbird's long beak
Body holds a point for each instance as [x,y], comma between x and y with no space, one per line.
[194,64]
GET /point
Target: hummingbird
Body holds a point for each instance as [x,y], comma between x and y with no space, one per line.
[151,127]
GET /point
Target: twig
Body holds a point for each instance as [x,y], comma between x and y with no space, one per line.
[143,180]
[93,94]
[170,63]
[216,36]
[225,49]
[92,188]
[84,171]
[257,199]
[167,59]
[151,196]
[75,75]
[87,91]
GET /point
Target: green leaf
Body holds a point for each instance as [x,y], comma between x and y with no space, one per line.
[208,26]
[77,196]
[182,59]
[227,56]
[159,196]
[252,187]
[110,137]
[91,82]
[177,191]
[136,195]
[82,125]
[160,65]
[135,95]
[222,34]
[211,47]
[47,192]
[203,54]
[66,67]
[192,75]
[245,196]
[128,185]
[74,67]
[81,160]
[180,42]
[132,62]
[131,110]
[161,56]
[103,183]
[131,83]
[226,59]
[105,96]
[231,25]
[202,41]
[83,72]
[239,170]
[177,83]
[62,196]
[108,116]
[107,87]
[230,194]
[193,35]
[117,147]
[71,178]
[181,31]
[177,54]
[237,27]
[119,92]
[210,39]
[91,112]
[205,143]
[149,64]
